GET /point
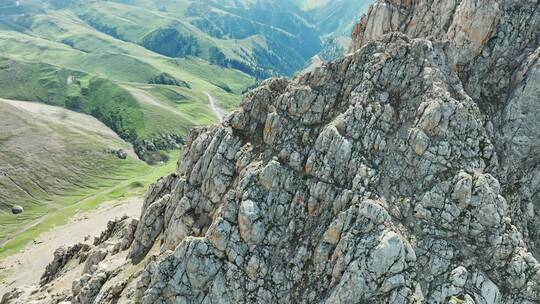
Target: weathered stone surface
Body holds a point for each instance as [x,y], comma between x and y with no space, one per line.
[493,46]
[122,154]
[86,289]
[405,172]
[62,256]
[11,296]
[117,237]
[371,179]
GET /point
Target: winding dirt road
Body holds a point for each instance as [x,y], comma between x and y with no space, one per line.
[218,112]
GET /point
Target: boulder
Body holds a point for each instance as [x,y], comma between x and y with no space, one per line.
[17,209]
[122,154]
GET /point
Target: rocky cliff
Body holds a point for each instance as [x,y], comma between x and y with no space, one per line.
[406,172]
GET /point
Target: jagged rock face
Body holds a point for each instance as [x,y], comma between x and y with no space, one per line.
[372,179]
[493,46]
[489,41]
[117,238]
[62,256]
[382,177]
[378,178]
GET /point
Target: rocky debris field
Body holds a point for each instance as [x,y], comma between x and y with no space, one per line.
[406,172]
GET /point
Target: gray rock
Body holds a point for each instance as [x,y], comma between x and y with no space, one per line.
[375,178]
[122,154]
[17,209]
[93,259]
[62,256]
[365,190]
[86,289]
[118,237]
[11,296]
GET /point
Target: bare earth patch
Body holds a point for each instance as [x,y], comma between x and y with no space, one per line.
[24,269]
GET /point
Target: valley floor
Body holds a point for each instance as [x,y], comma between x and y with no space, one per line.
[25,268]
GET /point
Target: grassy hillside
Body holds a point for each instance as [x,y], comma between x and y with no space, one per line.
[260,38]
[60,38]
[48,152]
[51,55]
[110,103]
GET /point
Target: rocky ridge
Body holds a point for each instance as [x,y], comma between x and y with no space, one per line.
[405,172]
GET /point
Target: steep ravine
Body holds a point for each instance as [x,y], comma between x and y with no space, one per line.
[406,172]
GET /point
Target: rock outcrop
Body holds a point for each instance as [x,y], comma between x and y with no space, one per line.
[406,172]
[151,150]
[493,47]
[63,256]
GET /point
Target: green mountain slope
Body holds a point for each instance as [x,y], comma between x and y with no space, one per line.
[56,163]
[113,104]
[334,17]
[261,38]
[51,55]
[47,152]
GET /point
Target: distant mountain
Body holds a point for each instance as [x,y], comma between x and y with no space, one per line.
[334,20]
[156,60]
[259,37]
[50,54]
[334,17]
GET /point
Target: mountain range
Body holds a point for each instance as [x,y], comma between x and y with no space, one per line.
[175,51]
